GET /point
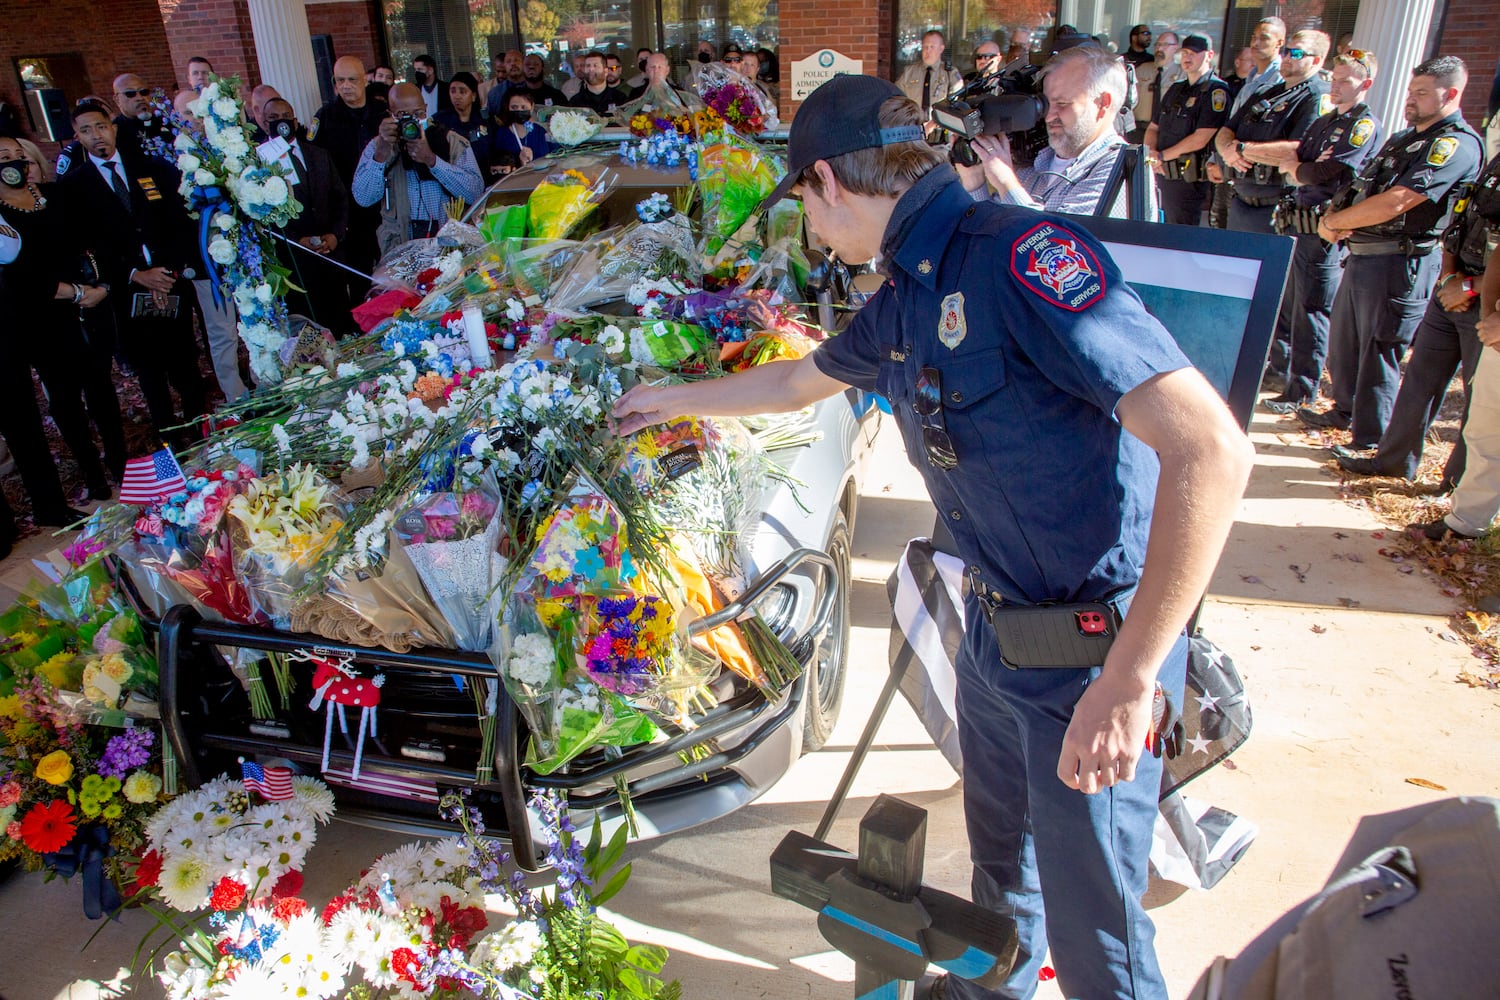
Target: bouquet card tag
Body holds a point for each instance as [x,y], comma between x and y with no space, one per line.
[277,150]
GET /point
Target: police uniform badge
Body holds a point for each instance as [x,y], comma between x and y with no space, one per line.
[1058,267]
[1363,129]
[1442,150]
[312,128]
[1325,104]
[1219,99]
[64,162]
[1192,101]
[953,327]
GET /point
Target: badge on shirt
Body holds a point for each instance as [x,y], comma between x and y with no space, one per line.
[1219,99]
[1442,150]
[312,128]
[1363,129]
[148,186]
[952,326]
[1325,104]
[1055,265]
[1192,101]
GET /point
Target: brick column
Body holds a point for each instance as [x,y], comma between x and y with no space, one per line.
[1469,33]
[218,30]
[852,27]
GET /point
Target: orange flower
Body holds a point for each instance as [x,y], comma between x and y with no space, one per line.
[48,828]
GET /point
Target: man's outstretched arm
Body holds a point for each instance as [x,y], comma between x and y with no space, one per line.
[778,387]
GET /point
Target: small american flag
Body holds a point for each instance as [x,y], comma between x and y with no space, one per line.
[274,784]
[382,783]
[152,478]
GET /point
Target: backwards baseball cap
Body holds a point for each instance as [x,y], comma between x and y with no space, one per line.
[1196,43]
[841,116]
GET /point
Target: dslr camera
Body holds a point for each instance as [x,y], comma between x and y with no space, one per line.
[408,127]
[1018,111]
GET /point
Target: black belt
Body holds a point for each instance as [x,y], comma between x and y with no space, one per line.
[991,599]
[1265,202]
[1192,167]
[1403,247]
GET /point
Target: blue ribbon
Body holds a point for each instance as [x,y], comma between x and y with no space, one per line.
[86,854]
[209,202]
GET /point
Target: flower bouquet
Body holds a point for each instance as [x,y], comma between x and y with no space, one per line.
[734,176]
[738,102]
[281,525]
[453,541]
[379,585]
[572,126]
[560,203]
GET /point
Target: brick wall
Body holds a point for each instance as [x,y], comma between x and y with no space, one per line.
[112,37]
[352,25]
[218,30]
[1468,31]
[850,26]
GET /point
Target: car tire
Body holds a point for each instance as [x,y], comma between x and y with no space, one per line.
[824,682]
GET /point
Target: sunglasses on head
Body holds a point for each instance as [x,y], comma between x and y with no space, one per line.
[1360,56]
[1291,53]
[928,402]
[134,93]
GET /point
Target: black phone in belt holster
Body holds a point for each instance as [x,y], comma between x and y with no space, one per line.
[1070,636]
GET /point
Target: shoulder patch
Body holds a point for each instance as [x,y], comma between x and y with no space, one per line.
[312,128]
[64,163]
[1325,104]
[1220,98]
[1442,150]
[1360,134]
[1056,266]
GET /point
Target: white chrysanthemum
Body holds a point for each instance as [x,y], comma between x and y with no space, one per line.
[314,796]
[183,976]
[514,944]
[226,110]
[186,877]
[446,859]
[402,865]
[254,982]
[531,659]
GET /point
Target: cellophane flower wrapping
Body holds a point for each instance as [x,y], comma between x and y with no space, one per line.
[737,100]
[453,540]
[735,176]
[385,590]
[616,259]
[281,525]
[559,204]
[571,126]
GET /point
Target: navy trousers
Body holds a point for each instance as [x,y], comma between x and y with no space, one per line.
[1069,868]
[1375,315]
[1445,342]
[1183,201]
[1250,219]
[1310,291]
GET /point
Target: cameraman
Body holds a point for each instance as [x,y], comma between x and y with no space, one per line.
[1085,87]
[412,169]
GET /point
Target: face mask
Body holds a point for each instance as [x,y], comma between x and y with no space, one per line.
[703,57]
[284,128]
[520,116]
[642,65]
[13,175]
[420,76]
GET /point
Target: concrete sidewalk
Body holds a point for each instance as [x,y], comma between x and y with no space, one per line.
[1351,674]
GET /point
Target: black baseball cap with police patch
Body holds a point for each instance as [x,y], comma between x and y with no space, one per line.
[1196,43]
[841,116]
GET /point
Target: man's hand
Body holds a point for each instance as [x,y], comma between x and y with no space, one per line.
[1153,157]
[419,150]
[1330,234]
[155,279]
[1107,734]
[330,242]
[92,296]
[994,156]
[1214,173]
[972,177]
[1489,330]
[1452,297]
[1289,166]
[1236,161]
[388,133]
[643,406]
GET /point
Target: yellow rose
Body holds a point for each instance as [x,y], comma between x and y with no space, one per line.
[99,688]
[142,787]
[55,768]
[116,668]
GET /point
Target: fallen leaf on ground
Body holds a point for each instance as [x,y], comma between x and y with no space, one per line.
[1230,765]
[1319,629]
[1339,534]
[1373,534]
[1348,602]
[1354,557]
[1424,783]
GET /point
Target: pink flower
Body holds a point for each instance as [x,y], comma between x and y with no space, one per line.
[441,528]
[13,831]
[10,793]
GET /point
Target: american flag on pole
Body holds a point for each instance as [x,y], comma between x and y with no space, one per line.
[152,478]
[274,784]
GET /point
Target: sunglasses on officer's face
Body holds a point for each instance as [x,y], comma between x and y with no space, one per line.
[1290,53]
[985,56]
[134,93]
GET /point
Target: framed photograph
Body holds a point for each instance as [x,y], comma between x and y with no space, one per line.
[1216,291]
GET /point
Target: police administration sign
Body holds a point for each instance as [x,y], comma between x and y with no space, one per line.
[817,69]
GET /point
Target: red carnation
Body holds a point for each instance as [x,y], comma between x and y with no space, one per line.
[287,907]
[289,884]
[405,965]
[227,895]
[335,905]
[464,921]
[48,828]
[147,872]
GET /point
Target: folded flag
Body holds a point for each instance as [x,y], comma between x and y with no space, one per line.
[151,478]
[274,784]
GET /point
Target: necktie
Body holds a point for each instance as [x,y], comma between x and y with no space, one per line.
[927,89]
[299,167]
[117,181]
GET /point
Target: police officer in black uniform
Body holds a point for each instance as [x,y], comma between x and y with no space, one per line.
[1181,130]
[1446,340]
[1259,136]
[344,127]
[1403,199]
[1326,161]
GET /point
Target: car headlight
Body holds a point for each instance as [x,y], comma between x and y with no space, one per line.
[777,608]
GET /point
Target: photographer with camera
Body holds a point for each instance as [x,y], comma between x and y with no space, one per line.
[412,169]
[1083,88]
[1183,127]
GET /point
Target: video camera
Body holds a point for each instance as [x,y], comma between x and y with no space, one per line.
[1018,111]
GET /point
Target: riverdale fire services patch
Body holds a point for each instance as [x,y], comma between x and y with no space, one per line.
[952,326]
[1054,264]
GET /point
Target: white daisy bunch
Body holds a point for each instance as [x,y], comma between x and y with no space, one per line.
[570,128]
[532,660]
[214,832]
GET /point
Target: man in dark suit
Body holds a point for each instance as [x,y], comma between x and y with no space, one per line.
[343,128]
[130,216]
[320,228]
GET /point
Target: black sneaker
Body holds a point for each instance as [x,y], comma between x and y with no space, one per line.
[1434,531]
[1357,464]
[1285,404]
[1326,420]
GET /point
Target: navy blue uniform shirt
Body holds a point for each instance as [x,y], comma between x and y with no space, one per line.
[1189,107]
[1350,138]
[1275,115]
[1034,337]
[1439,163]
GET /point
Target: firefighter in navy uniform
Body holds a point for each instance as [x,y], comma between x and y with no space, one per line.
[1182,129]
[1262,133]
[1403,199]
[1446,341]
[1326,161]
